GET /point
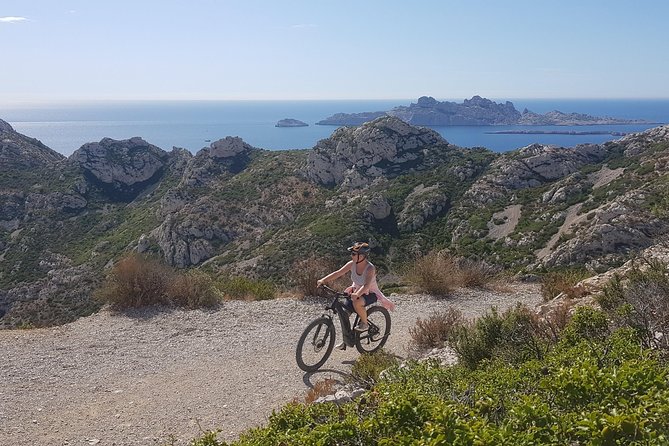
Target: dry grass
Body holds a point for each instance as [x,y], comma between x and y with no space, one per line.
[476,274]
[136,281]
[436,273]
[558,282]
[434,331]
[306,272]
[140,281]
[320,389]
[193,289]
[439,273]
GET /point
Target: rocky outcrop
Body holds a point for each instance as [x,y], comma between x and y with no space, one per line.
[638,143]
[38,204]
[19,152]
[229,155]
[611,233]
[5,127]
[122,168]
[289,122]
[537,164]
[475,111]
[188,242]
[242,210]
[421,205]
[354,157]
[62,296]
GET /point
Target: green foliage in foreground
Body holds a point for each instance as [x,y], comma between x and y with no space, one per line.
[583,392]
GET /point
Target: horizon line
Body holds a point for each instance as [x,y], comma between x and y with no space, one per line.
[91,101]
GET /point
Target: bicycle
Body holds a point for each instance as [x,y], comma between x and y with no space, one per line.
[317,340]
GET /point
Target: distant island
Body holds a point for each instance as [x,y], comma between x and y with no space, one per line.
[289,122]
[556,132]
[427,111]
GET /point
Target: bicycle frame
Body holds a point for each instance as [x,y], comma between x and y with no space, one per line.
[344,316]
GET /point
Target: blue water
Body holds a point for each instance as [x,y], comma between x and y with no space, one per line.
[189,124]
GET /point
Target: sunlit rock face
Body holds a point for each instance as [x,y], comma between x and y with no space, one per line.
[354,157]
[121,167]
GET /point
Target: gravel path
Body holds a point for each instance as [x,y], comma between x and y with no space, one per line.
[152,378]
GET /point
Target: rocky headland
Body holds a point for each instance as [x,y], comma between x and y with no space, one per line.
[427,111]
[233,209]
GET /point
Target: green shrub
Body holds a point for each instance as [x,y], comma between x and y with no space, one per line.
[209,438]
[434,331]
[514,336]
[587,324]
[609,392]
[193,289]
[641,301]
[369,366]
[247,289]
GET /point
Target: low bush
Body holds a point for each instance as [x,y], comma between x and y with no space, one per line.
[514,336]
[587,324]
[436,273]
[306,272]
[193,289]
[641,301]
[607,392]
[439,273]
[136,281]
[557,282]
[434,331]
[242,288]
[474,273]
[369,366]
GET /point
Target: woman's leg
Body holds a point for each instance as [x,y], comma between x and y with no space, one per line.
[359,306]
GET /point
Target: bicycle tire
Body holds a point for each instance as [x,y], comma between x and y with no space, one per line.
[379,329]
[321,343]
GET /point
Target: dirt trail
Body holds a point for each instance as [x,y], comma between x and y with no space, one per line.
[155,377]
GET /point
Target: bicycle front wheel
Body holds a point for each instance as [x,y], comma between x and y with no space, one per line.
[379,329]
[315,344]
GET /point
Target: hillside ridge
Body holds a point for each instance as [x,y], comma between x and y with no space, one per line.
[234,209]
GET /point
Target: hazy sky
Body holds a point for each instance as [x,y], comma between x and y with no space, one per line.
[365,49]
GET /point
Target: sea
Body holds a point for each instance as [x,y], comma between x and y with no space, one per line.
[193,125]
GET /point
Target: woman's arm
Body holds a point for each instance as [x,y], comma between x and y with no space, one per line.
[336,274]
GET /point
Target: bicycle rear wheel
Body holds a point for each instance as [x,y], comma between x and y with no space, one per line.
[379,329]
[315,344]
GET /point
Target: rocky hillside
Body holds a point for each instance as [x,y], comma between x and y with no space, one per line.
[475,111]
[233,209]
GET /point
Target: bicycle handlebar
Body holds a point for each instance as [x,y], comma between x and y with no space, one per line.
[334,292]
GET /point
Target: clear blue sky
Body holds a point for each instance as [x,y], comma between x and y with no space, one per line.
[363,49]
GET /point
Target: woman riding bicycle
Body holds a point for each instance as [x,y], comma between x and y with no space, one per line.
[364,290]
